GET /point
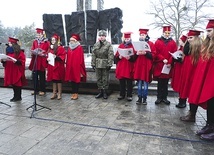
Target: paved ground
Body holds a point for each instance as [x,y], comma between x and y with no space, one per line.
[90,126]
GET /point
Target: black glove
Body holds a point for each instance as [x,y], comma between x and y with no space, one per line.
[178,60]
[108,68]
[58,58]
[18,62]
[94,68]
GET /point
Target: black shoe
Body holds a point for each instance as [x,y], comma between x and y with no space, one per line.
[144,102]
[105,96]
[180,105]
[17,99]
[129,98]
[139,101]
[12,99]
[158,101]
[205,130]
[167,102]
[99,95]
[120,97]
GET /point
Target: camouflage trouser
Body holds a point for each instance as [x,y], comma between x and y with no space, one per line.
[102,78]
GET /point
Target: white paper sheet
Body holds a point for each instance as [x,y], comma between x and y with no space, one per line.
[7,58]
[141,45]
[51,59]
[165,69]
[125,51]
[37,51]
[177,54]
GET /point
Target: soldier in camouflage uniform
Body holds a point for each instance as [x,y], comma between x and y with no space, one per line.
[102,61]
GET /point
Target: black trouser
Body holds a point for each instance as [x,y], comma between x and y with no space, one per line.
[162,90]
[193,108]
[210,111]
[123,84]
[17,90]
[39,81]
[75,87]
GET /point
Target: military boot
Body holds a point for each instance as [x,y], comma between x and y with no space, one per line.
[105,96]
[100,94]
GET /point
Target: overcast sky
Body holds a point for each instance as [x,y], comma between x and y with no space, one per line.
[25,12]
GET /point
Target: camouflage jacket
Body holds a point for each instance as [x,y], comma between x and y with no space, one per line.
[102,55]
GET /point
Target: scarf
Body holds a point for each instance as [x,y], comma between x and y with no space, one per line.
[74,45]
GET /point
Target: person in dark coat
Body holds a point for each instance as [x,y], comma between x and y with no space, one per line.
[102,61]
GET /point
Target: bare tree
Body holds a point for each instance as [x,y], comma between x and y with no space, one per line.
[182,15]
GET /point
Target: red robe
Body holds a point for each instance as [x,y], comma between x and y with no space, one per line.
[143,66]
[124,68]
[75,65]
[186,77]
[14,74]
[162,52]
[202,84]
[57,72]
[41,62]
[176,73]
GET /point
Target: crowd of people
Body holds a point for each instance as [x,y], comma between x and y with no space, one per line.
[188,65]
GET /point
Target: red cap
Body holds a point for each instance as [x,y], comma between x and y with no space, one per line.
[143,31]
[127,34]
[38,30]
[56,36]
[194,33]
[183,38]
[13,40]
[76,36]
[166,28]
[210,24]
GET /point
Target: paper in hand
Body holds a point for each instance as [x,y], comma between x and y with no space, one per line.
[141,46]
[125,52]
[177,54]
[165,69]
[37,51]
[51,58]
[7,58]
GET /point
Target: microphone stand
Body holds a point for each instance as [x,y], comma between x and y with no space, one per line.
[5,104]
[35,72]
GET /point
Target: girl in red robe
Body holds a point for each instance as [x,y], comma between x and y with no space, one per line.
[56,73]
[125,67]
[143,67]
[176,72]
[14,72]
[202,92]
[188,71]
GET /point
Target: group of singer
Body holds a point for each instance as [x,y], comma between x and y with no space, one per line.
[188,65]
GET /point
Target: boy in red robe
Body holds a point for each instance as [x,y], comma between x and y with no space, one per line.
[164,46]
